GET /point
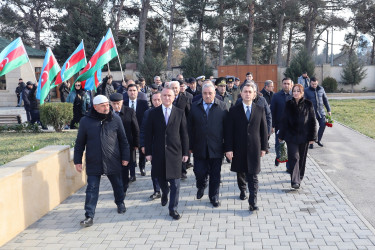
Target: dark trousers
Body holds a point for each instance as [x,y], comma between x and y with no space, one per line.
[155,184]
[212,168]
[28,114]
[92,192]
[322,127]
[277,150]
[297,154]
[141,163]
[132,164]
[241,181]
[76,120]
[125,178]
[252,183]
[174,188]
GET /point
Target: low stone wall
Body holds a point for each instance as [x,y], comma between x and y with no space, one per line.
[33,185]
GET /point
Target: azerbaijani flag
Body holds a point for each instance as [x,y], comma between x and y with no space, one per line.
[73,64]
[49,71]
[93,82]
[104,53]
[13,56]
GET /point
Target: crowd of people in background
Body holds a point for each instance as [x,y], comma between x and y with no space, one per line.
[212,119]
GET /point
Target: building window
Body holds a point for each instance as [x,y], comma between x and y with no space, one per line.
[38,70]
[3,83]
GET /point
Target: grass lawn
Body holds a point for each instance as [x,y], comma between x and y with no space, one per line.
[356,114]
[16,145]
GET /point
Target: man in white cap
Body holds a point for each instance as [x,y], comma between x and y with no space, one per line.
[107,151]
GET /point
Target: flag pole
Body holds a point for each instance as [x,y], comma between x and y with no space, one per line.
[122,73]
[118,57]
[32,69]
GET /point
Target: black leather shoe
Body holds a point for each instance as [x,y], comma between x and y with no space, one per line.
[87,222]
[200,193]
[215,203]
[132,179]
[295,186]
[243,195]
[319,143]
[253,208]
[311,146]
[183,177]
[164,200]
[276,162]
[143,172]
[121,209]
[189,165]
[175,215]
[155,195]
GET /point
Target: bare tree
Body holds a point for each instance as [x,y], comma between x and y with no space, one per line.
[280,33]
[142,29]
[171,35]
[250,32]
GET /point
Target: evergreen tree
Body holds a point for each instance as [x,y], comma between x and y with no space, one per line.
[151,66]
[84,20]
[301,62]
[353,72]
[193,63]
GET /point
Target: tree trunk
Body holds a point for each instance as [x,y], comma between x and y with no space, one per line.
[280,34]
[200,23]
[221,34]
[250,33]
[118,18]
[170,43]
[373,52]
[142,29]
[353,41]
[289,43]
[310,22]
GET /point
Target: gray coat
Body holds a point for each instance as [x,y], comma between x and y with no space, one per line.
[319,99]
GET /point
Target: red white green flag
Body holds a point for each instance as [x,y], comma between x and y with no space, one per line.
[104,53]
[13,56]
[73,65]
[49,71]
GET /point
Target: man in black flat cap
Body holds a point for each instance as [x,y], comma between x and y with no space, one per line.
[129,120]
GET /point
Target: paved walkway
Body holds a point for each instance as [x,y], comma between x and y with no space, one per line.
[317,216]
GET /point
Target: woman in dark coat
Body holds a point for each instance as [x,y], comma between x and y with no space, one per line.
[298,129]
[246,139]
[81,103]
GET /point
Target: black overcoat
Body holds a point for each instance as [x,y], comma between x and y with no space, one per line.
[129,120]
[166,143]
[298,124]
[207,133]
[183,102]
[246,138]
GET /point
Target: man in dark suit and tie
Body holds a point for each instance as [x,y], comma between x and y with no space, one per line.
[140,106]
[246,139]
[129,120]
[192,89]
[166,145]
[206,138]
[181,102]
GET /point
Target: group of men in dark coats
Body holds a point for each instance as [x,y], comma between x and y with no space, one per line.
[166,135]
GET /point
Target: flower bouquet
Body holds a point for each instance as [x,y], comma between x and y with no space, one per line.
[283,153]
[329,121]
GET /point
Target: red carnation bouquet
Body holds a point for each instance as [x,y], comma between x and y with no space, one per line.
[329,121]
[283,153]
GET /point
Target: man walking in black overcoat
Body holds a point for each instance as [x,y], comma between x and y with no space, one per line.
[246,139]
[130,123]
[166,145]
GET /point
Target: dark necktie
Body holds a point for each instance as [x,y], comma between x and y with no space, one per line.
[132,105]
[248,113]
[208,108]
